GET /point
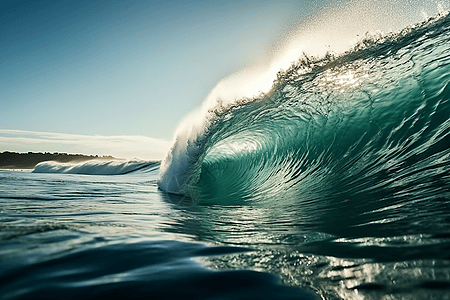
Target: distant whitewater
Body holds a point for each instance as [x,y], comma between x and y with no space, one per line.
[97,167]
[371,122]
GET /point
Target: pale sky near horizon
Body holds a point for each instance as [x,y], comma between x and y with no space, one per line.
[123,68]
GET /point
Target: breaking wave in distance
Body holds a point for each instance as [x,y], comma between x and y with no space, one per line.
[372,121]
[97,167]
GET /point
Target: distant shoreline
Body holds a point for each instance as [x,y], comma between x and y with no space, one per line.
[13,160]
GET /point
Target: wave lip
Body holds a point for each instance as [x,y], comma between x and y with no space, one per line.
[96,167]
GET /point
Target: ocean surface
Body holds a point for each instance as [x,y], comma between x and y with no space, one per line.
[335,184]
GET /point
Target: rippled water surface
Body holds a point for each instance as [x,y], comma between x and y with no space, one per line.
[91,236]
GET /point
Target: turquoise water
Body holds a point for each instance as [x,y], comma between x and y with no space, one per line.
[93,237]
[335,184]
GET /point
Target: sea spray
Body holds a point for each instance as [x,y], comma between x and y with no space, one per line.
[203,129]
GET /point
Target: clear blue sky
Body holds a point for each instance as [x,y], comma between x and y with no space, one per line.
[125,67]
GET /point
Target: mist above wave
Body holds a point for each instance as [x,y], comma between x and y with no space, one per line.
[334,33]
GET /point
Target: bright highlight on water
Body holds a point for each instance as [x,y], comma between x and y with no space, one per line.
[329,181]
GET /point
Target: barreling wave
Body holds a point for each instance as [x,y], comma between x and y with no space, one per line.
[373,122]
[97,167]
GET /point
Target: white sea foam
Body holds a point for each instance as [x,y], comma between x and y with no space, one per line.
[95,167]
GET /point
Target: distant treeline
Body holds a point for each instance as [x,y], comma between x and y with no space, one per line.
[12,160]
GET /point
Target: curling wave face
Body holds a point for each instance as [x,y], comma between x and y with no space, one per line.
[373,122]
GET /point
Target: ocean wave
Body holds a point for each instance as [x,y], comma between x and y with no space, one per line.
[371,122]
[97,167]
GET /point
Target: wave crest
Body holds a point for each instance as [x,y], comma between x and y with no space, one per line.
[96,167]
[373,120]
